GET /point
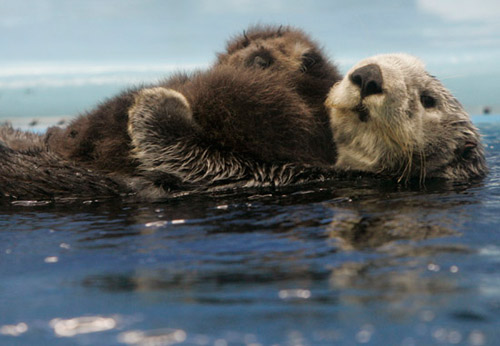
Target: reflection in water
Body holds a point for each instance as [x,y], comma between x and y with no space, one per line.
[364,230]
[267,244]
[398,230]
[160,337]
[294,294]
[82,325]
[14,329]
[384,282]
[310,259]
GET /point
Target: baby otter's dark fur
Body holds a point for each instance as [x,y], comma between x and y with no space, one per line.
[236,109]
[242,115]
[241,123]
[236,127]
[287,50]
[292,52]
[29,170]
[97,139]
[222,135]
[298,67]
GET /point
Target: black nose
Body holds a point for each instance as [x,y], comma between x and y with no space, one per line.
[369,79]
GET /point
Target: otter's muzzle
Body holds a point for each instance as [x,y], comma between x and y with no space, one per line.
[369,79]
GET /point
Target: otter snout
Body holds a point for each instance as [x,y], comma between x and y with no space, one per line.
[369,79]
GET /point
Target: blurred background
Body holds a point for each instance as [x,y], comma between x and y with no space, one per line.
[59,58]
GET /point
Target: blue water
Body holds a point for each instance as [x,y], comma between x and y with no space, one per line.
[344,262]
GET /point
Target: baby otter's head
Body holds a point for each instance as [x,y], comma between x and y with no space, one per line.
[284,49]
[390,116]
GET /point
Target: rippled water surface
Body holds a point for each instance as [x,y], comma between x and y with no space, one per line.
[346,262]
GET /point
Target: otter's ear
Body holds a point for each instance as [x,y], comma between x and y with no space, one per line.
[279,32]
[245,42]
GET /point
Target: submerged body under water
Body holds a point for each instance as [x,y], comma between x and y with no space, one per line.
[347,262]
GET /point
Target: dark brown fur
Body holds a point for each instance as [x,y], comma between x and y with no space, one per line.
[255,116]
[97,139]
[272,113]
[276,48]
[291,52]
[250,126]
[29,170]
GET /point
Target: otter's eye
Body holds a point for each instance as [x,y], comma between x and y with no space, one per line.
[261,58]
[260,61]
[310,59]
[427,101]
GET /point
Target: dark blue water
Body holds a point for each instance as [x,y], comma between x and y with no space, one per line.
[344,262]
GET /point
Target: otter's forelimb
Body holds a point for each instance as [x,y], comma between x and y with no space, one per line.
[167,141]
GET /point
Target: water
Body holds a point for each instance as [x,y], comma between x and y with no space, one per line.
[347,262]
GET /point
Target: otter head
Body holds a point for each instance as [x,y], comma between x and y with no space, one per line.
[390,116]
[284,49]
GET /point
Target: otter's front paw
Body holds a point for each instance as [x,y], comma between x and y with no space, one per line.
[152,103]
[159,114]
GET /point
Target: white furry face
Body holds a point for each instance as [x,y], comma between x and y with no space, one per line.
[390,116]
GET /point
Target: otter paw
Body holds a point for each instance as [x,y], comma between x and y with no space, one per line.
[159,112]
[159,101]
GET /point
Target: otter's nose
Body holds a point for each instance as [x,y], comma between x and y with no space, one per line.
[369,79]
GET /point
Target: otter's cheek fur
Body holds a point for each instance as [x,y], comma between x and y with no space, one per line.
[373,133]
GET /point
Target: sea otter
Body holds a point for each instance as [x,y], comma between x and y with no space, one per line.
[391,117]
[294,62]
[388,116]
[228,126]
[291,89]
